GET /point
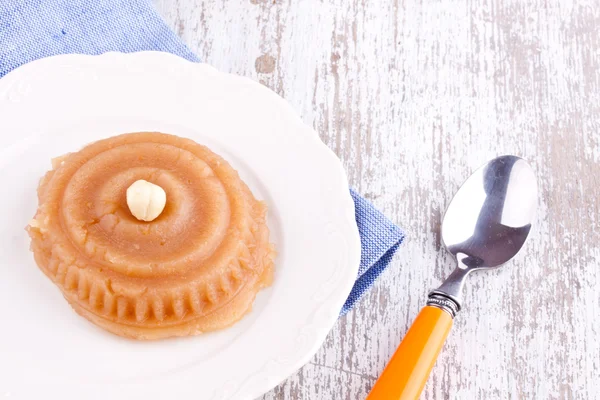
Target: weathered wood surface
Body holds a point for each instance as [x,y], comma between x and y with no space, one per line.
[412,96]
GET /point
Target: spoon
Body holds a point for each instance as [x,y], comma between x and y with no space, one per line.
[485,225]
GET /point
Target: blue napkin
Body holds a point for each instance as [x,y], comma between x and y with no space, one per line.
[32,29]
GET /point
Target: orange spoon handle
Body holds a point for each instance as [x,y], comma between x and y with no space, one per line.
[406,374]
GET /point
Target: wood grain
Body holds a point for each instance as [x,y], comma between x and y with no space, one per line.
[412,96]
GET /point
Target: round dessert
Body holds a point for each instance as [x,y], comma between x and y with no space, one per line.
[147,264]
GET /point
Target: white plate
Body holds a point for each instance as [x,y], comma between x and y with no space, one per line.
[58,104]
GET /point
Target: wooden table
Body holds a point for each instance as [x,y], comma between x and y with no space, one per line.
[412,96]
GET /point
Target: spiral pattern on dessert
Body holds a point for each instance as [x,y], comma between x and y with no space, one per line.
[210,242]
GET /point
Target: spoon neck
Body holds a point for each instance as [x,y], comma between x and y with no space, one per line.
[449,295]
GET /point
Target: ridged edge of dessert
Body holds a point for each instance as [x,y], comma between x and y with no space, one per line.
[167,306]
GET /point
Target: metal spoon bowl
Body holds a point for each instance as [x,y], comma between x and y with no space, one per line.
[488,220]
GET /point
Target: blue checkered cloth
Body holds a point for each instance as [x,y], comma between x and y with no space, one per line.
[32,29]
